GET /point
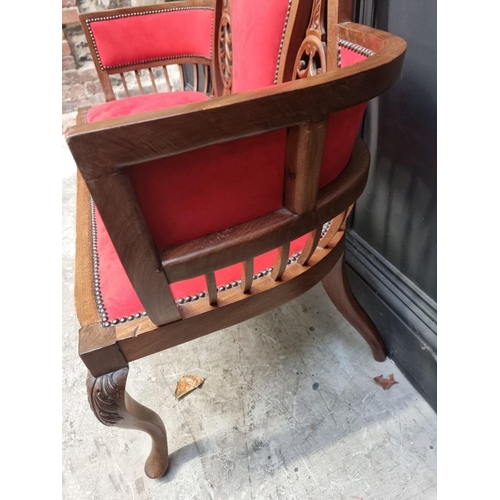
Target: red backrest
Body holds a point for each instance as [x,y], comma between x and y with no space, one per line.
[257,32]
[146,36]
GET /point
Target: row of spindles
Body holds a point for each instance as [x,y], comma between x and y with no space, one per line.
[147,79]
[314,240]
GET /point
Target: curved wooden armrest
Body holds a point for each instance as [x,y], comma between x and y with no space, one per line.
[167,132]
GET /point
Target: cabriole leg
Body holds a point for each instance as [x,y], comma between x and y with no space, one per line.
[338,289]
[113,406]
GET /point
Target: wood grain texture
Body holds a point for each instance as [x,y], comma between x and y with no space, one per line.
[119,209]
[281,262]
[212,288]
[247,276]
[85,304]
[310,246]
[332,38]
[113,406]
[304,154]
[98,349]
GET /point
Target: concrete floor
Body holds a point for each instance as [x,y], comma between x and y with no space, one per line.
[289,410]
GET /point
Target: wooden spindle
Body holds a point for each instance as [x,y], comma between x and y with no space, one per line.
[310,246]
[195,77]
[211,288]
[181,76]
[167,79]
[304,154]
[124,83]
[152,77]
[335,225]
[281,262]
[247,276]
[138,78]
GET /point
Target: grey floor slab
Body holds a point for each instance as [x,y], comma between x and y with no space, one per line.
[289,410]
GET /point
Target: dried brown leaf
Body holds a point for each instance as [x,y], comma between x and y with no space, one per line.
[386,383]
[186,384]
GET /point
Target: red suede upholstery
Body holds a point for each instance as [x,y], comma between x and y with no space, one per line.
[342,130]
[149,36]
[340,136]
[348,57]
[257,28]
[142,104]
[203,191]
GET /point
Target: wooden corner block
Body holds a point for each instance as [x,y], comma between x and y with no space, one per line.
[99,351]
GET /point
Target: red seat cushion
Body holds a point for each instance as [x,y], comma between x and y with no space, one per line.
[142,104]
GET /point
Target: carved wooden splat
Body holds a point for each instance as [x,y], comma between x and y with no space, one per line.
[311,57]
[226,49]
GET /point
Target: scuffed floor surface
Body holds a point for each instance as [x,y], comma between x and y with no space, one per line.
[289,410]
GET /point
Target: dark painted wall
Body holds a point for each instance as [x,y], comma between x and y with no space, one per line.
[396,214]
